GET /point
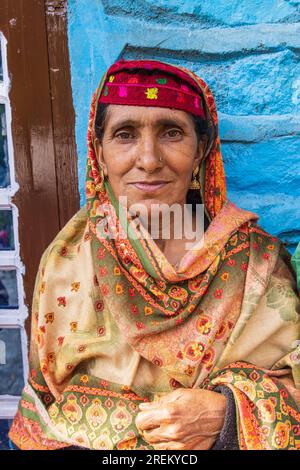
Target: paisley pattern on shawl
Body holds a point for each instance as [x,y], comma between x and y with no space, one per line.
[228,315]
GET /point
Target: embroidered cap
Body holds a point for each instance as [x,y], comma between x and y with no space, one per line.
[151,83]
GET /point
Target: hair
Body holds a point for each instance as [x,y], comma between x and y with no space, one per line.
[201,125]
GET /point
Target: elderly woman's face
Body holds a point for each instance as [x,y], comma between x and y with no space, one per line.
[149,154]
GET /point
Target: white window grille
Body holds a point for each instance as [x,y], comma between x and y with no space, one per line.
[13,311]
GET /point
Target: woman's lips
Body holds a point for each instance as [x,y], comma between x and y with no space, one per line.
[150,187]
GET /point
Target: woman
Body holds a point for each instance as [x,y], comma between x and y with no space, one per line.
[137,343]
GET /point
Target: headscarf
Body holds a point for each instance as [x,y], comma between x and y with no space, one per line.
[228,315]
[296,264]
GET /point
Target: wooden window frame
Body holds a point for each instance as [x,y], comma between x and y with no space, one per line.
[42,150]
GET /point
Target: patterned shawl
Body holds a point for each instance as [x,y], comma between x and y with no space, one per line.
[228,315]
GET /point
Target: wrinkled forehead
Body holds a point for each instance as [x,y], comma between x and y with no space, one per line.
[140,116]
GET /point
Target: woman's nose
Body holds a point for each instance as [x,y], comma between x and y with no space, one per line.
[149,157]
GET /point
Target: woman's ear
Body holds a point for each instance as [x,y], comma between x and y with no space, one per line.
[99,154]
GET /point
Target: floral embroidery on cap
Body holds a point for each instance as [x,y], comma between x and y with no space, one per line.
[123,91]
[133,80]
[161,81]
[152,93]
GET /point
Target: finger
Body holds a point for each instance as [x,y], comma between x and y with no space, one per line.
[170,445]
[147,405]
[156,435]
[166,432]
[150,419]
[159,400]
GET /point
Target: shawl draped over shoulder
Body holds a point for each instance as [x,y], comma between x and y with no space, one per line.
[114,324]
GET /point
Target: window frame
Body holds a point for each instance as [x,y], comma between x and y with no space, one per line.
[44,114]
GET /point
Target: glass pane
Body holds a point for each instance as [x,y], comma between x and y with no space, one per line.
[11,365]
[5,443]
[1,66]
[4,168]
[8,289]
[6,230]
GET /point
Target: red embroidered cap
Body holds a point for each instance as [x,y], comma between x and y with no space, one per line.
[151,83]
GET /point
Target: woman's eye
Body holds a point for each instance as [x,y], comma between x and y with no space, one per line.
[124,135]
[173,133]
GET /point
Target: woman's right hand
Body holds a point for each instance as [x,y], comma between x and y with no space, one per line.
[186,419]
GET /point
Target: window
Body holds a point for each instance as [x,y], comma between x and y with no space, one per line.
[39,204]
[13,312]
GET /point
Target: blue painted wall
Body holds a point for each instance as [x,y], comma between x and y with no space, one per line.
[246,50]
